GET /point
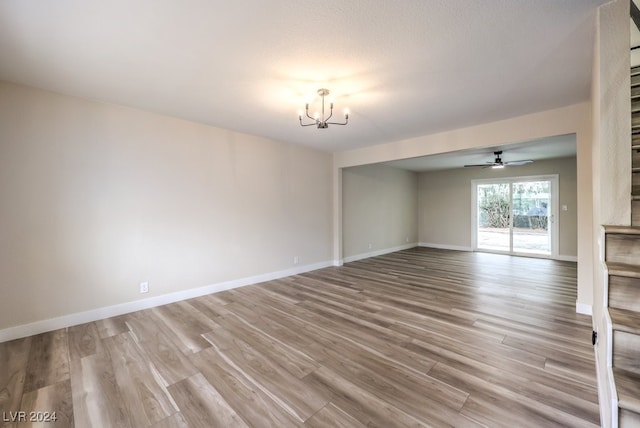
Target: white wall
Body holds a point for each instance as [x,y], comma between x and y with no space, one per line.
[380,210]
[611,164]
[96,198]
[575,119]
[445,202]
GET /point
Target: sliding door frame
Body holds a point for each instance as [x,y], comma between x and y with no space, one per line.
[553,213]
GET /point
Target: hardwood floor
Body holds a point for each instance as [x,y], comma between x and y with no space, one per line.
[420,337]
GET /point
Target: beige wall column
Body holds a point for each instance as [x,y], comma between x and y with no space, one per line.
[611,168]
[337,215]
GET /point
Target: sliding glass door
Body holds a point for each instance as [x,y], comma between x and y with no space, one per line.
[516,215]
[493,219]
[531,217]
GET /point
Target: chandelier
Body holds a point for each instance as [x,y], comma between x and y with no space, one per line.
[320,121]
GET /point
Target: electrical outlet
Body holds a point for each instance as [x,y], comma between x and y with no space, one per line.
[144,287]
[296,260]
[370,246]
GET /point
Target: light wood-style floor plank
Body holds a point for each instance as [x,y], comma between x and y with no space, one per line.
[145,398]
[242,392]
[332,416]
[361,404]
[420,396]
[208,306]
[84,340]
[202,405]
[14,356]
[174,421]
[111,326]
[50,406]
[97,401]
[271,377]
[172,365]
[182,328]
[293,360]
[48,360]
[416,338]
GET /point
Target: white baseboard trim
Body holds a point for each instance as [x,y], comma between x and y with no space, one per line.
[583,308]
[378,252]
[445,246]
[64,321]
[566,258]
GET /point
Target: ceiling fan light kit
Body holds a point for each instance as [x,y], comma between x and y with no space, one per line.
[498,163]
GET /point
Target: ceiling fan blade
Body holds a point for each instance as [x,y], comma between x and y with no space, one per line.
[484,165]
[518,163]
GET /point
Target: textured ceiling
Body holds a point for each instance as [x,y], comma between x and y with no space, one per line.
[404,68]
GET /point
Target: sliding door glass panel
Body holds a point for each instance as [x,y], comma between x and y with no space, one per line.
[531,212]
[494,219]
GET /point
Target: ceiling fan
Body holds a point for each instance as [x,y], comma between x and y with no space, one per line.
[498,163]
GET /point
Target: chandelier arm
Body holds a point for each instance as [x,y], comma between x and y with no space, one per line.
[305,124]
[346,120]
[315,120]
[330,114]
[336,123]
[312,118]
